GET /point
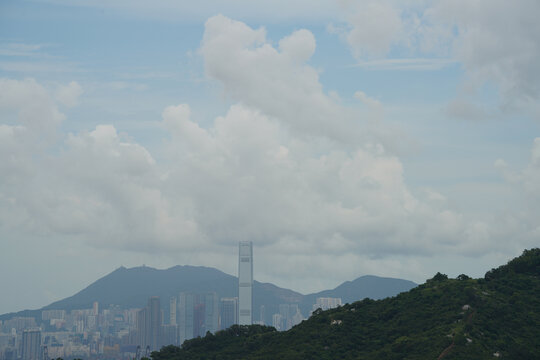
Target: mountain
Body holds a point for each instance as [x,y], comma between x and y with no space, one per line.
[131,288]
[367,286]
[497,316]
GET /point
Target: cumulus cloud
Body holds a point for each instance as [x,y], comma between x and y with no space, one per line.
[531,175]
[495,41]
[299,46]
[68,95]
[30,118]
[287,166]
[368,101]
[35,108]
[241,59]
[526,183]
[373,27]
[253,181]
[463,109]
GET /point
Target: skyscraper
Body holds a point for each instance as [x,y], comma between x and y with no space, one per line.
[245,283]
[197,314]
[31,344]
[142,326]
[228,312]
[186,302]
[154,312]
[149,324]
[172,311]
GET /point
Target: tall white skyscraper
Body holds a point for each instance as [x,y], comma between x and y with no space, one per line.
[245,283]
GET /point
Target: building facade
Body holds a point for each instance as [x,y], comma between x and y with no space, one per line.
[149,325]
[197,313]
[245,283]
[31,344]
[228,312]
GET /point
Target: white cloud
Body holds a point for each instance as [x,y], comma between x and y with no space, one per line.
[245,177]
[172,10]
[299,46]
[495,41]
[531,175]
[371,102]
[20,49]
[278,83]
[417,64]
[68,95]
[287,166]
[30,67]
[34,108]
[374,26]
[463,109]
[125,85]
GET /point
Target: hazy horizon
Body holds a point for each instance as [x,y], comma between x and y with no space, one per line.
[388,138]
[84,286]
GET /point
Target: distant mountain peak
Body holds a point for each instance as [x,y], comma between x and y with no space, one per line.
[131,288]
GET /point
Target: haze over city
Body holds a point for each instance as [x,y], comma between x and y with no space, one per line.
[393,138]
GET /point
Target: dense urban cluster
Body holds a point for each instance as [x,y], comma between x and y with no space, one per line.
[114,332]
[118,333]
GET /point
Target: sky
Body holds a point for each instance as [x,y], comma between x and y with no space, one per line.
[344,138]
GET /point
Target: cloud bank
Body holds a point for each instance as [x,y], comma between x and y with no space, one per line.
[287,166]
[496,42]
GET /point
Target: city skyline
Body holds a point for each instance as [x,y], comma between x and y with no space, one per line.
[107,330]
[118,331]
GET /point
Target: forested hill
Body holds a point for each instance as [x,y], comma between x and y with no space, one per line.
[494,317]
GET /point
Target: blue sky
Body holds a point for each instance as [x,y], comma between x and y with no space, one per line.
[394,138]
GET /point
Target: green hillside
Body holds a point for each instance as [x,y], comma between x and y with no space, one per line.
[463,318]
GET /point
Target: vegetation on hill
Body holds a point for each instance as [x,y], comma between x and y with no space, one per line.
[463,318]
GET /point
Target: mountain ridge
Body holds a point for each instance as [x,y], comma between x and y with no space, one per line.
[131,287]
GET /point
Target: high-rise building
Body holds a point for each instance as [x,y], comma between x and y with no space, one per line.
[245,283]
[185,317]
[197,314]
[169,335]
[154,311]
[149,325]
[277,322]
[31,344]
[211,316]
[228,312]
[285,312]
[142,328]
[325,303]
[289,315]
[262,315]
[53,314]
[172,311]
